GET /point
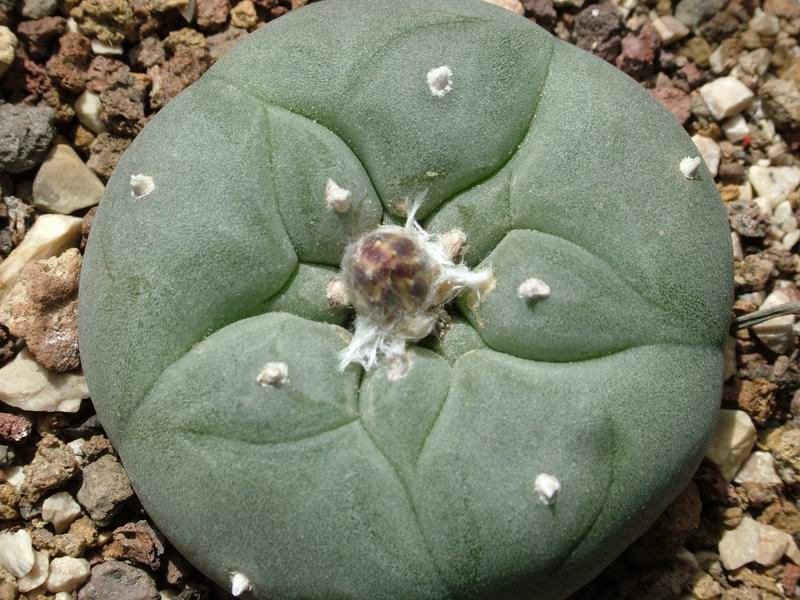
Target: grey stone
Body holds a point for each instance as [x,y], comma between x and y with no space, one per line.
[105,489]
[25,135]
[36,9]
[694,12]
[117,580]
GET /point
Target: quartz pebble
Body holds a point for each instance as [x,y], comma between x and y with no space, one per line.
[67,574]
[752,541]
[8,47]
[61,510]
[710,151]
[732,441]
[726,97]
[16,552]
[64,184]
[88,108]
[764,24]
[778,333]
[774,183]
[735,128]
[37,575]
[26,385]
[758,468]
[693,12]
[670,29]
[50,236]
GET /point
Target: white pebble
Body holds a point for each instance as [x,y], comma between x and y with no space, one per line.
[16,552]
[735,128]
[67,574]
[142,185]
[61,510]
[37,575]
[726,97]
[547,487]
[103,49]
[88,108]
[273,374]
[337,198]
[533,289]
[240,584]
[440,80]
[790,239]
[710,151]
[690,165]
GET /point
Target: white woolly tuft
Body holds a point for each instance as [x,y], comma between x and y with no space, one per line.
[440,80]
[370,342]
[240,584]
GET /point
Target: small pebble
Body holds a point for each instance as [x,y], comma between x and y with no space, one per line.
[533,289]
[726,97]
[732,441]
[67,574]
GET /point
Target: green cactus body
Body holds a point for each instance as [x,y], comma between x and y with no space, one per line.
[318,483]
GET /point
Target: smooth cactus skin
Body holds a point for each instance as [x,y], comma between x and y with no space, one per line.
[349,486]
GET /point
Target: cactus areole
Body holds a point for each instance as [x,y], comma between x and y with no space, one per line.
[407,300]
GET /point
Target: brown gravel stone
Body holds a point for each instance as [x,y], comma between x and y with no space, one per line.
[782,515]
[106,150]
[68,67]
[102,71]
[14,428]
[9,500]
[756,398]
[243,15]
[7,341]
[97,446]
[53,465]
[123,102]
[696,50]
[81,535]
[788,9]
[63,109]
[542,11]
[38,36]
[639,53]
[110,21]
[105,489]
[787,457]
[676,101]
[722,25]
[25,81]
[137,542]
[113,579]
[42,308]
[184,37]
[791,574]
[184,68]
[600,33]
[212,14]
[753,273]
[781,99]
[82,139]
[148,53]
[746,218]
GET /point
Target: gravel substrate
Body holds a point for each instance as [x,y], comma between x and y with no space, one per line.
[79,80]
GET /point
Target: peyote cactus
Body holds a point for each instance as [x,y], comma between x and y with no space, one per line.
[539,421]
